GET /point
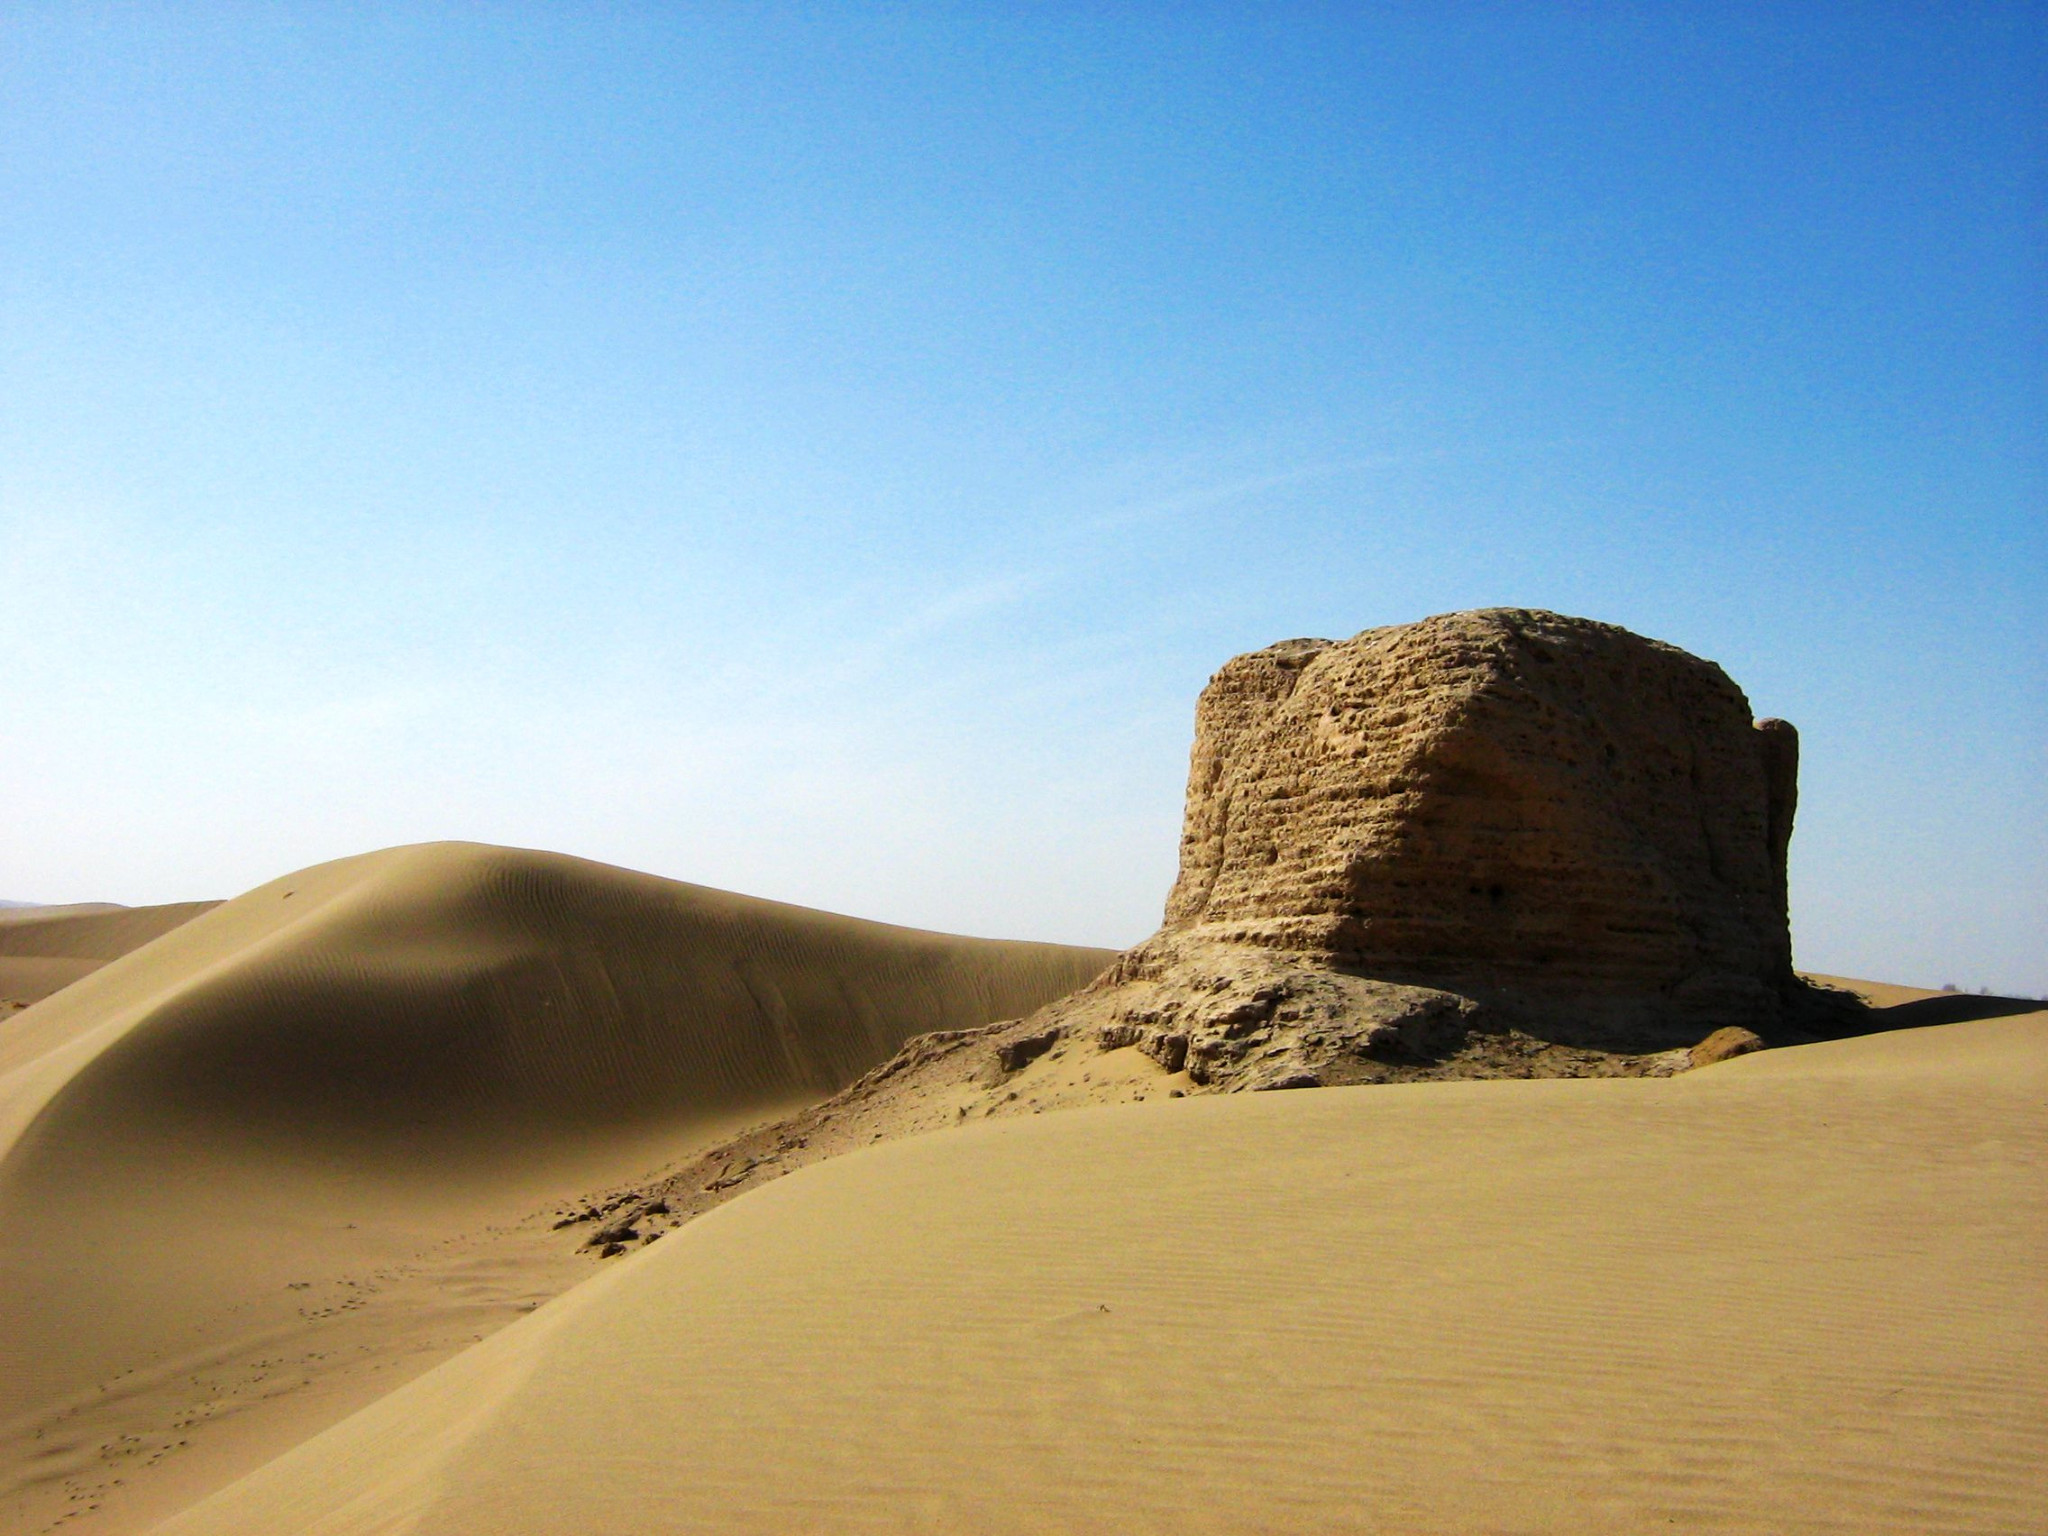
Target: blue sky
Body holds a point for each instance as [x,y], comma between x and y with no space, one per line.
[822,451]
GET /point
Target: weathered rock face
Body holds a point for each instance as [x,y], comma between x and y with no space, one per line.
[1541,811]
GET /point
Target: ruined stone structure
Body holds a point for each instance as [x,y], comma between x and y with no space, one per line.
[1538,810]
[1505,843]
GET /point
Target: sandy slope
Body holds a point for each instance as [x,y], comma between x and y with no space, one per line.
[1798,1291]
[43,949]
[257,1171]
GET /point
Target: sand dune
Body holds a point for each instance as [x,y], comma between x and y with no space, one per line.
[1797,1291]
[1897,1007]
[44,949]
[254,1171]
[273,1184]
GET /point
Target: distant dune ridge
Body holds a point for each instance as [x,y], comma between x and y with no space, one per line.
[44,949]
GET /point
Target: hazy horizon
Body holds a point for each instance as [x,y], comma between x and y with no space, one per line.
[822,455]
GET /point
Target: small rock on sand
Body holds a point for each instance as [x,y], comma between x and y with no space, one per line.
[1722,1044]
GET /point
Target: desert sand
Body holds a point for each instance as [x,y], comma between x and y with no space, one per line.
[1796,1291]
[1793,1291]
[290,1153]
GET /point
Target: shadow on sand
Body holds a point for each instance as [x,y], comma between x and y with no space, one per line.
[1948,1008]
